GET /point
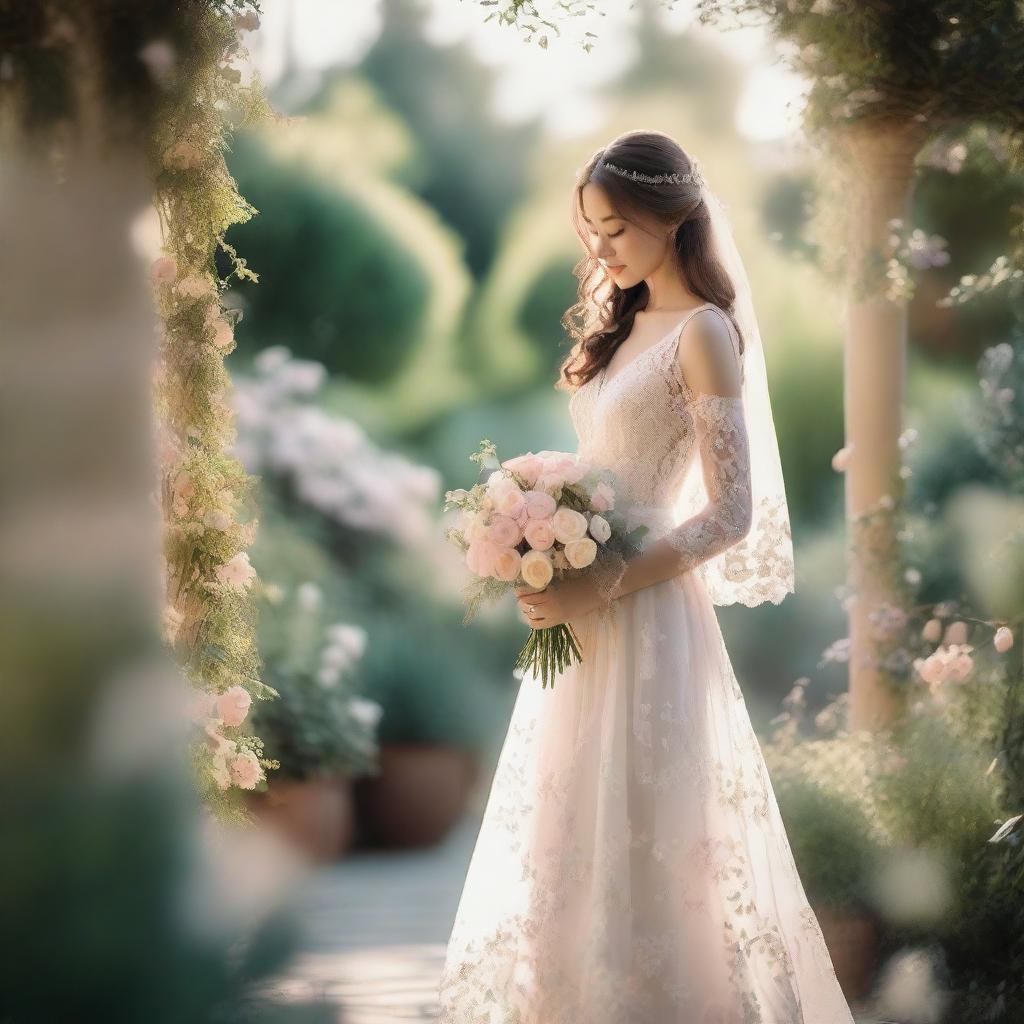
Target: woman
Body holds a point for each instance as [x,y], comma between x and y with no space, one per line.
[632,866]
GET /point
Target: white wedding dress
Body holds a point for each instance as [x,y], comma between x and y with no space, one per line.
[632,866]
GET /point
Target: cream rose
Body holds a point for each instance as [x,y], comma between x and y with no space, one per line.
[580,553]
[568,524]
[506,564]
[536,569]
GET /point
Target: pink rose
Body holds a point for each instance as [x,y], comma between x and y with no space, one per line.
[540,534]
[504,532]
[233,705]
[527,467]
[540,505]
[508,499]
[245,770]
[506,564]
[524,515]
[480,557]
[603,497]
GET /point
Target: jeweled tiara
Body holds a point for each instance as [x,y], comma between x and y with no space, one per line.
[692,177]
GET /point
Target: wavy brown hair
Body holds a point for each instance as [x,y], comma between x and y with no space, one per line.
[602,317]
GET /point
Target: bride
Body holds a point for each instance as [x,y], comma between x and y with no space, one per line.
[631,865]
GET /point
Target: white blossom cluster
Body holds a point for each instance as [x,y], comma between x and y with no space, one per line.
[332,464]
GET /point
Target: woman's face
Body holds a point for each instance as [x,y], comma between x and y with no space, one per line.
[630,250]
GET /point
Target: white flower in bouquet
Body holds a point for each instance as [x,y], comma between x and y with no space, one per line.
[529,519]
[568,524]
[600,529]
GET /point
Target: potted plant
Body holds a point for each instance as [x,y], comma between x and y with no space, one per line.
[323,733]
[440,712]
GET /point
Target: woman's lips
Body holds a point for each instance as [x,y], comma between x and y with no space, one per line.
[614,270]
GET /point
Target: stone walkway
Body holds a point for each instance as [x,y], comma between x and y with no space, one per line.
[376,927]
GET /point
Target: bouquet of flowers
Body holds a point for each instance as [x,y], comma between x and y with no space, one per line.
[537,518]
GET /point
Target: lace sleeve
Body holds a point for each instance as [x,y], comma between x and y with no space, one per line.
[723,449]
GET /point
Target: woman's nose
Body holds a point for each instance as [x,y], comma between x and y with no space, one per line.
[604,250]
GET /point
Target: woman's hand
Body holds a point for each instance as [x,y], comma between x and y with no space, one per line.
[572,598]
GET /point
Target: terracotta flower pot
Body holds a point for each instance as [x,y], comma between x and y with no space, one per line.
[314,815]
[852,939]
[419,794]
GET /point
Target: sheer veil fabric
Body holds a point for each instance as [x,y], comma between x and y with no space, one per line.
[631,865]
[759,567]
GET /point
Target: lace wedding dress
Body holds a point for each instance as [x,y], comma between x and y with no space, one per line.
[632,866]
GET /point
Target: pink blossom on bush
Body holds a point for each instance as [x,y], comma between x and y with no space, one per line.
[246,771]
[163,270]
[237,572]
[1003,639]
[956,633]
[233,705]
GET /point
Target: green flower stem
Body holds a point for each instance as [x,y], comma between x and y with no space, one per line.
[550,651]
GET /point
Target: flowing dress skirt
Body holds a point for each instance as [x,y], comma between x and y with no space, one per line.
[631,865]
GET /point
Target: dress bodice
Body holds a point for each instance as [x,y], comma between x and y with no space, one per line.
[639,422]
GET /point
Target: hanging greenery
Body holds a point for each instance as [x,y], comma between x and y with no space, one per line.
[159,78]
[210,616]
